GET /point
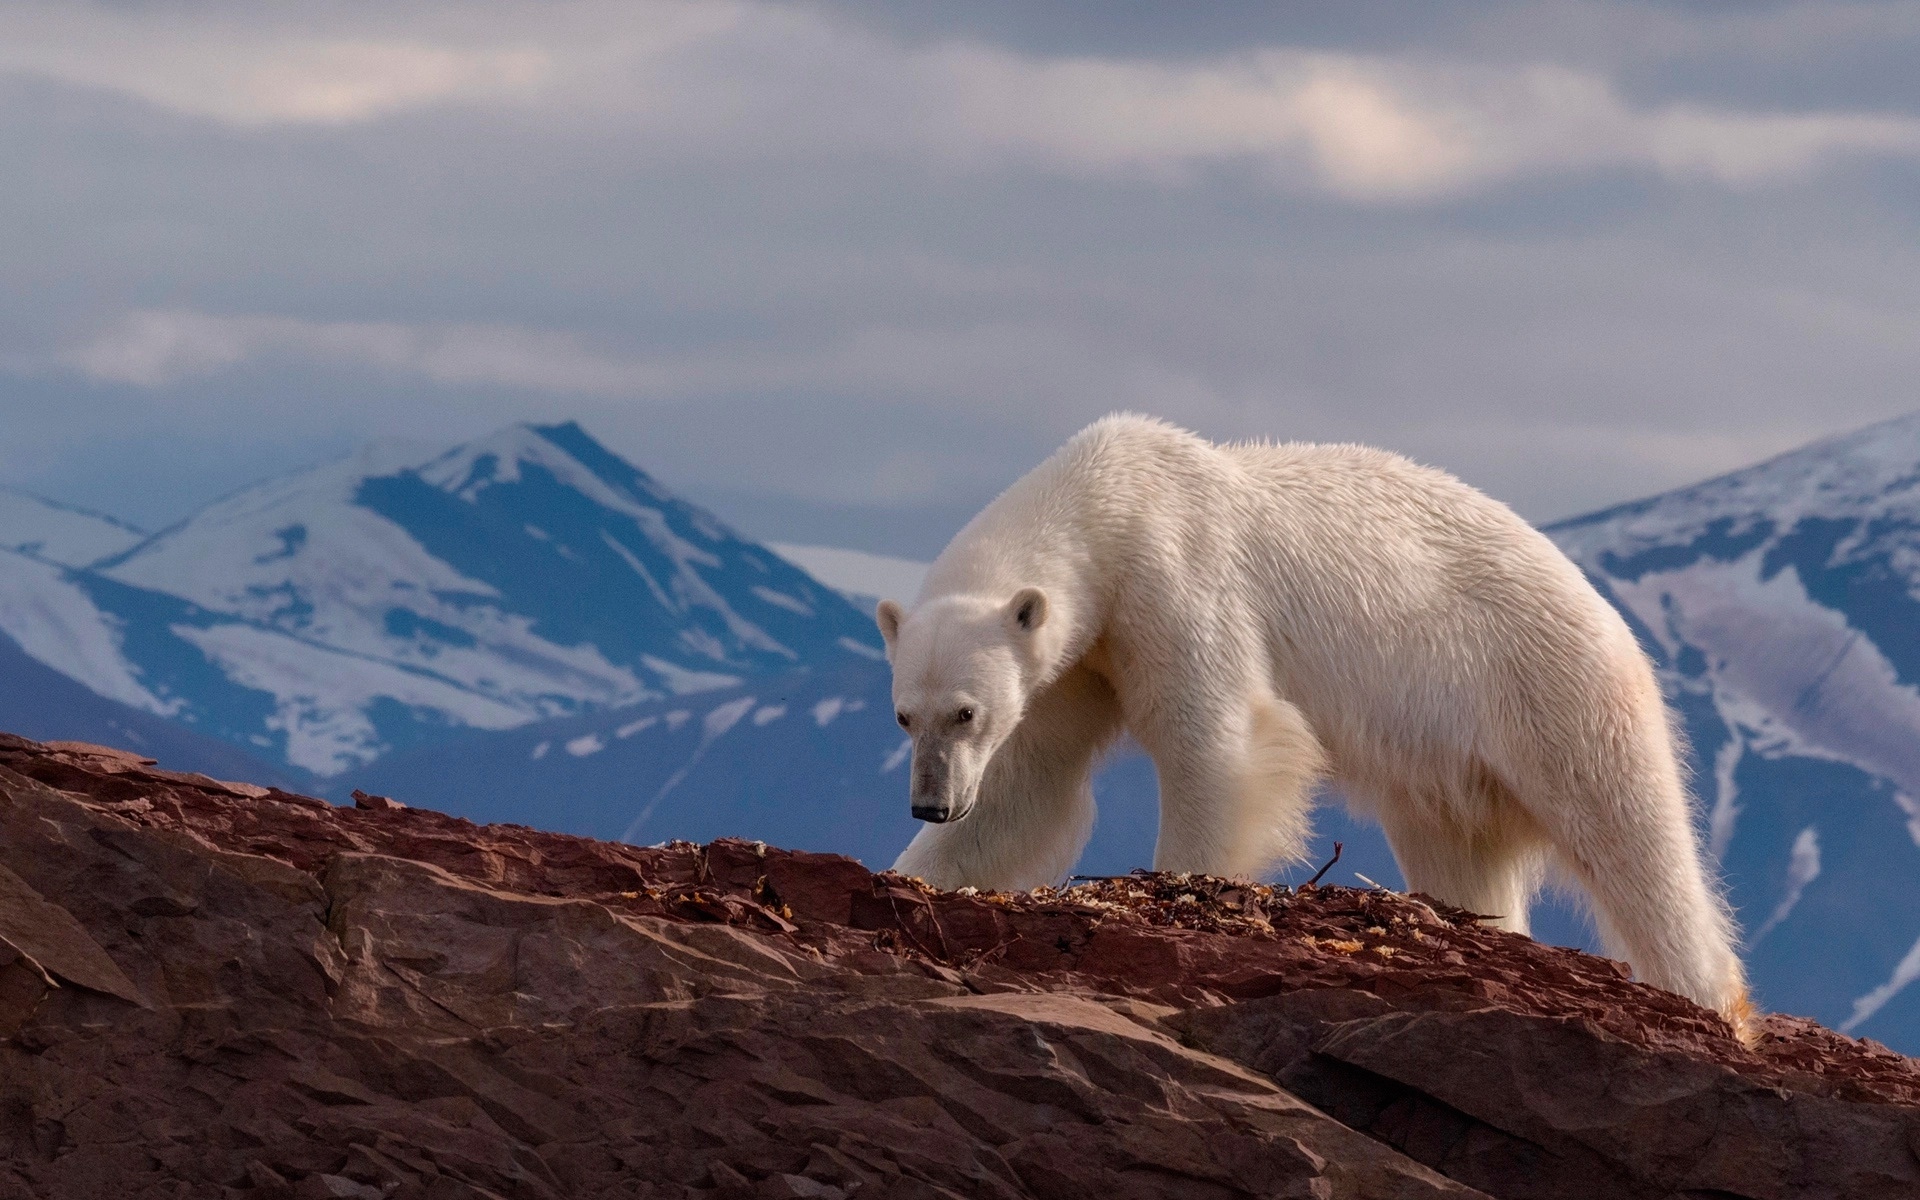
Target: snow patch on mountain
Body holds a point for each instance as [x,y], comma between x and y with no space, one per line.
[323,698]
[1911,807]
[1803,867]
[897,756]
[59,533]
[713,727]
[782,600]
[857,573]
[1868,1005]
[1790,675]
[58,624]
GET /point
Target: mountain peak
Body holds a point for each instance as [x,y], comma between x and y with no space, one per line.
[1877,468]
[566,452]
[495,458]
[378,600]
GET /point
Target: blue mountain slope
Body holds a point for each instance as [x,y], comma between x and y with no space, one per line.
[806,759]
[40,703]
[595,552]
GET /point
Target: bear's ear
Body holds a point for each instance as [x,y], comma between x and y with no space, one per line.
[1027,611]
[888,617]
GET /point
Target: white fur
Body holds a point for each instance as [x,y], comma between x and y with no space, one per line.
[1260,617]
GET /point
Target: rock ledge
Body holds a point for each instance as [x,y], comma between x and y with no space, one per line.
[215,989]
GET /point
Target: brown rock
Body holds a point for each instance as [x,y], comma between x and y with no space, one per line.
[212,989]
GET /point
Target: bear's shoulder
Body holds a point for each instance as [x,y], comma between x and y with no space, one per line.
[1123,429]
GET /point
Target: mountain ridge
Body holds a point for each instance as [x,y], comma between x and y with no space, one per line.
[380,601]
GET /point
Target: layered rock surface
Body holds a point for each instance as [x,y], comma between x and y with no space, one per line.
[212,989]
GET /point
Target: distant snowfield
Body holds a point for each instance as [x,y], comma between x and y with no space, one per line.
[857,573]
[58,624]
[58,533]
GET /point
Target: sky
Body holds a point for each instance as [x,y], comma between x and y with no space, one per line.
[842,270]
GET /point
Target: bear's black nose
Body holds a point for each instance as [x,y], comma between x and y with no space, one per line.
[927,812]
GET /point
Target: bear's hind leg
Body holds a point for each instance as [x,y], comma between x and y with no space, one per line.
[1493,870]
[1611,800]
[1652,897]
[1237,800]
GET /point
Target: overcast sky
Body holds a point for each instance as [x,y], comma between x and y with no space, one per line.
[842,271]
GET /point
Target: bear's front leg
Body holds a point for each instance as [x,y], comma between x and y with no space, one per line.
[1035,810]
[1236,785]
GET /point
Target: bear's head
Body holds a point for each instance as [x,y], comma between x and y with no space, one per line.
[963,668]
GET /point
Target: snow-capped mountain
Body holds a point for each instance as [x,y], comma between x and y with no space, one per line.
[1784,604]
[382,602]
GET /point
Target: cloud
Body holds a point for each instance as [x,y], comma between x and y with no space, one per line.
[1003,362]
[791,252]
[1369,129]
[726,79]
[1739,148]
[255,77]
[342,82]
[162,347]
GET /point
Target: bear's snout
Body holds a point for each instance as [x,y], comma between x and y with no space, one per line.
[934,786]
[929,802]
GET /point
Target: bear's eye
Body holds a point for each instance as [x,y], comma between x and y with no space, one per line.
[906,722]
[963,716]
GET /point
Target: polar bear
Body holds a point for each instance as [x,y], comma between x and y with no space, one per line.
[1262,617]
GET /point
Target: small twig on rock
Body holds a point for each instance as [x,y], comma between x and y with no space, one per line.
[933,915]
[906,928]
[988,955]
[1337,848]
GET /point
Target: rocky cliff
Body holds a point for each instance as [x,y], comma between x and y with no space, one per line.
[215,989]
